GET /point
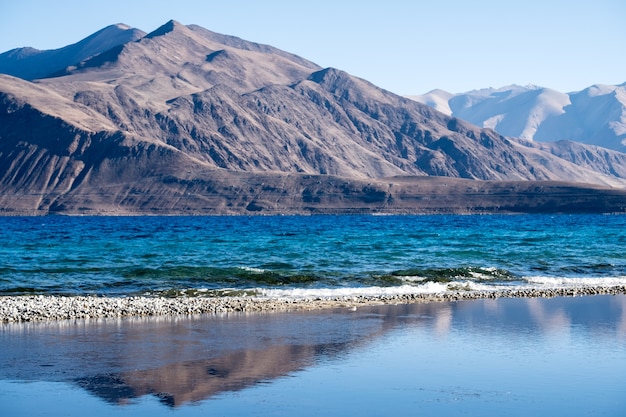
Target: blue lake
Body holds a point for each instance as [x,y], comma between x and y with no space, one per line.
[517,357]
[299,255]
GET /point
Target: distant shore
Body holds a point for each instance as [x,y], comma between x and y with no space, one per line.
[29,308]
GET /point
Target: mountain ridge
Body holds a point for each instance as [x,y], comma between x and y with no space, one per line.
[184,120]
[30,64]
[594,116]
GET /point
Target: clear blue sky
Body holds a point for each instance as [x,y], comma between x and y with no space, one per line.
[408,47]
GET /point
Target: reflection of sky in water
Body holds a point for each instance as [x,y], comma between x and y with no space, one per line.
[563,356]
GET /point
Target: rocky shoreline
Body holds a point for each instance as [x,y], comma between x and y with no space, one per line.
[39,307]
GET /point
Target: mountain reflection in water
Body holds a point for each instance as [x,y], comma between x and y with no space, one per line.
[188,359]
[179,383]
[183,360]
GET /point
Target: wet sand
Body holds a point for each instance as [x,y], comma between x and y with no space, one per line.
[39,308]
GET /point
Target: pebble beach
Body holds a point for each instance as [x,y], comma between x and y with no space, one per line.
[49,307]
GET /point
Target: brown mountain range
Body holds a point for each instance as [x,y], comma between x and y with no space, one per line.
[187,121]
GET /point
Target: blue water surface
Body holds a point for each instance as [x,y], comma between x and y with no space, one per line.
[166,255]
[500,357]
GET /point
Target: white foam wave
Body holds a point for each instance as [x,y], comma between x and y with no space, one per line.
[252,269]
[537,282]
[411,278]
[490,275]
[482,274]
[426,288]
[575,282]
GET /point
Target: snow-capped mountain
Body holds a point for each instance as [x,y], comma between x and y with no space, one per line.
[595,115]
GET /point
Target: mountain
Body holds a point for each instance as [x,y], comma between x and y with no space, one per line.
[30,64]
[185,120]
[595,115]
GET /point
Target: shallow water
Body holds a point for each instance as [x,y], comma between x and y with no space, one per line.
[306,256]
[514,357]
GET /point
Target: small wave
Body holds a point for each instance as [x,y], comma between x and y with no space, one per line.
[252,269]
[230,276]
[426,288]
[203,292]
[477,274]
[575,282]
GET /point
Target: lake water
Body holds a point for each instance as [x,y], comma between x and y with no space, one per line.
[299,255]
[513,357]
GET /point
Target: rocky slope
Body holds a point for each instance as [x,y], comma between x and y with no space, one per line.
[184,120]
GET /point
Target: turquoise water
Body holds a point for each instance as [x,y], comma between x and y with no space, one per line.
[301,255]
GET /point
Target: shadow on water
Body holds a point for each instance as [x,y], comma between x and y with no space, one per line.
[185,360]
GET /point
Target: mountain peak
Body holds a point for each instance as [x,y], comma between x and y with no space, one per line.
[30,64]
[20,53]
[108,37]
[328,76]
[168,27]
[122,26]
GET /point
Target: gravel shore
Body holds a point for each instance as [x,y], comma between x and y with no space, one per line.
[40,307]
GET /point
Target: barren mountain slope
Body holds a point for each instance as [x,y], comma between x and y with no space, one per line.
[167,122]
